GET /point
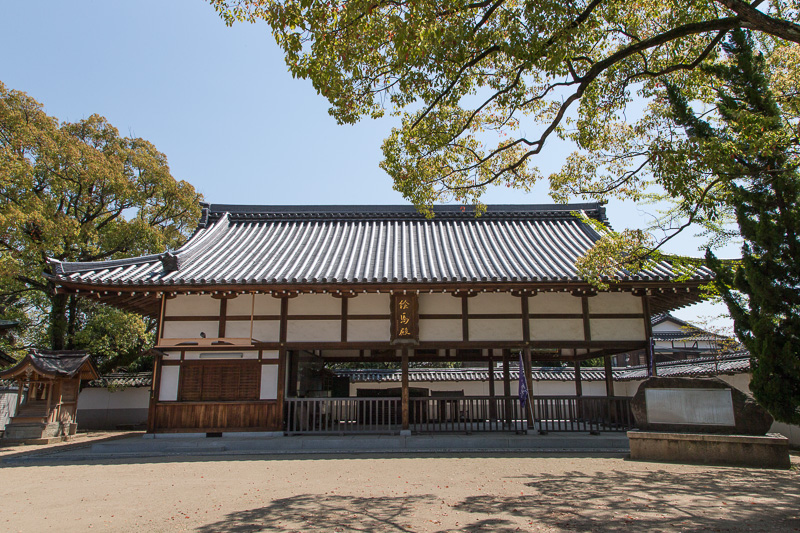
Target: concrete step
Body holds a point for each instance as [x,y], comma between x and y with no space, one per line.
[534,443]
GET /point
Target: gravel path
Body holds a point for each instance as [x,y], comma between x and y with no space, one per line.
[395,494]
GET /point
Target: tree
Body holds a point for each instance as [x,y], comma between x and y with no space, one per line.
[77,192]
[482,85]
[753,154]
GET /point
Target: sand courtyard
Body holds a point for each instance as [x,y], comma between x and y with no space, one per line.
[394,493]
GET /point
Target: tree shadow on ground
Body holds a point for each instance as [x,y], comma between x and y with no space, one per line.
[721,499]
[717,499]
[323,512]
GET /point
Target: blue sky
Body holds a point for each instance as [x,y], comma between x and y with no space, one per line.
[219,102]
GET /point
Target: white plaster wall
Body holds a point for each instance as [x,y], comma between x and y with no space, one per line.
[241,305]
[667,325]
[269,382]
[543,329]
[270,354]
[238,329]
[617,329]
[615,302]
[369,304]
[190,329]
[232,355]
[172,356]
[495,329]
[267,330]
[315,304]
[8,405]
[314,330]
[102,398]
[192,305]
[554,302]
[266,304]
[168,388]
[495,303]
[481,388]
[439,304]
[368,330]
[440,330]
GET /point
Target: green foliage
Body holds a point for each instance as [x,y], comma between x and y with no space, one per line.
[116,338]
[77,192]
[753,153]
[482,86]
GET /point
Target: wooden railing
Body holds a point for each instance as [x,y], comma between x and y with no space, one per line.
[467,414]
[585,413]
[342,415]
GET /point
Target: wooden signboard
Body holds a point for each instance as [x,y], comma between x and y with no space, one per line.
[405,318]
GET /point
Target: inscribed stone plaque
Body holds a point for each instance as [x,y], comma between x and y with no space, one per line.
[711,407]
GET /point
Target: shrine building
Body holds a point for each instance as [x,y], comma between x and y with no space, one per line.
[261,299]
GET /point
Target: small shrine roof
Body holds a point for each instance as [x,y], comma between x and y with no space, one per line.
[54,364]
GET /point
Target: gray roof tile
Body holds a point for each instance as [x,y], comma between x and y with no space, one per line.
[242,245]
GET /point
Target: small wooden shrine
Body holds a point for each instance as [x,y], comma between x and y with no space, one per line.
[49,382]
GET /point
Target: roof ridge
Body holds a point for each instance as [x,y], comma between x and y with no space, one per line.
[212,212]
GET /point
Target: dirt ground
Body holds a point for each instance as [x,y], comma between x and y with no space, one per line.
[396,494]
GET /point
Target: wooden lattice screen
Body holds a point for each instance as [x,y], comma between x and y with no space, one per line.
[202,382]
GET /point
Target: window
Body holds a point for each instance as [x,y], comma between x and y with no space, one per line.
[218,381]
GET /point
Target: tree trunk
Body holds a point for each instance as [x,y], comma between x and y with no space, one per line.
[58,321]
[72,319]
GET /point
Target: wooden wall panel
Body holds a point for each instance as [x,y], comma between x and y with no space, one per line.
[212,416]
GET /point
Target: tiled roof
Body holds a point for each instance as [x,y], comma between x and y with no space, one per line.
[53,363]
[123,380]
[730,364]
[469,374]
[308,245]
[736,363]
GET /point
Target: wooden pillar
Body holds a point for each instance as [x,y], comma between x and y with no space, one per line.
[154,393]
[507,384]
[609,376]
[48,391]
[528,372]
[281,387]
[492,405]
[404,398]
[19,395]
[578,384]
[650,355]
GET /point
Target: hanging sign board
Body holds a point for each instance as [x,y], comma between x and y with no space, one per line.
[405,318]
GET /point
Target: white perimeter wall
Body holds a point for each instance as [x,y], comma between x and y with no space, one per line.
[8,405]
[481,388]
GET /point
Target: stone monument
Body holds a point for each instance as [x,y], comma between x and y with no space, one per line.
[703,421]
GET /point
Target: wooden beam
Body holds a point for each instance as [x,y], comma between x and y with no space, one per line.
[223,314]
[652,370]
[526,319]
[492,405]
[404,384]
[587,326]
[284,319]
[507,384]
[609,376]
[529,379]
[465,318]
[344,318]
[578,384]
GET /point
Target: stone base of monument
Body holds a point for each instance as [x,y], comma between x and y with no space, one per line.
[769,451]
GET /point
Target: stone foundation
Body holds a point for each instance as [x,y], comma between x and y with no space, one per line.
[770,451]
